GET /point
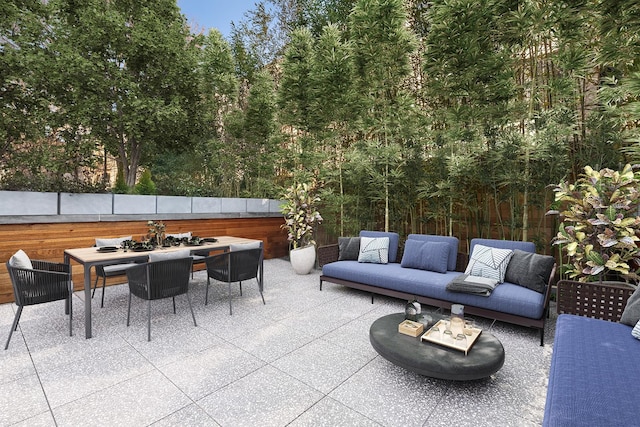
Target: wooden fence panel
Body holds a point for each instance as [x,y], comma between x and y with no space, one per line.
[48,241]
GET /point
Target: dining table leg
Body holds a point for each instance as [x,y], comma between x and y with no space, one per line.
[87,300]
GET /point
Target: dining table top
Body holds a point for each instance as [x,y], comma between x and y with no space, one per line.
[93,255]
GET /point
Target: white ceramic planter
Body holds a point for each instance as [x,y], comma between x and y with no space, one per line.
[303,259]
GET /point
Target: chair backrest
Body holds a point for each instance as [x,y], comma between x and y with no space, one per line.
[244,264]
[160,279]
[234,266]
[33,286]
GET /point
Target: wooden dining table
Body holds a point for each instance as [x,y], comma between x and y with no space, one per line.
[91,257]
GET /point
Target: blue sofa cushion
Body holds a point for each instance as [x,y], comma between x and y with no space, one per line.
[504,244]
[453,243]
[374,250]
[505,298]
[594,379]
[529,270]
[432,256]
[394,239]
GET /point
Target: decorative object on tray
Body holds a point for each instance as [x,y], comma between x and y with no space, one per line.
[458,339]
[412,310]
[411,328]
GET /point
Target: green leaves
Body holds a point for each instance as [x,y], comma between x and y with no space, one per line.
[601,226]
[300,213]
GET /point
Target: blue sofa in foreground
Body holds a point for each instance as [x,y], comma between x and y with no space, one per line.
[594,379]
[429,263]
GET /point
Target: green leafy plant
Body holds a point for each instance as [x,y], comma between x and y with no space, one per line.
[600,224]
[300,213]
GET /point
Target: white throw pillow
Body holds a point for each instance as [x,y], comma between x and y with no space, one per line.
[20,260]
[163,256]
[112,242]
[489,262]
[374,250]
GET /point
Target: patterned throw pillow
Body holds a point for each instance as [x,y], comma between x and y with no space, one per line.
[636,330]
[489,262]
[374,250]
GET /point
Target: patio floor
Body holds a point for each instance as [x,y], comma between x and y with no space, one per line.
[303,359]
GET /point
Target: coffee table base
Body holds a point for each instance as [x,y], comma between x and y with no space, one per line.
[485,358]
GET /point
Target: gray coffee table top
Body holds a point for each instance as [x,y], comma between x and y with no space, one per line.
[486,356]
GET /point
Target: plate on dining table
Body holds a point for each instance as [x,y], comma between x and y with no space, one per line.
[142,249]
[107,249]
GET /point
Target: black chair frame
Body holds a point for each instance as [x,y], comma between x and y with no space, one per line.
[159,280]
[46,282]
[234,266]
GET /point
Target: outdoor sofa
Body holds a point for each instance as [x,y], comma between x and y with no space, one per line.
[435,262]
[594,379]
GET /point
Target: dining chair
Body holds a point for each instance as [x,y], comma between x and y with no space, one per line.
[234,266]
[112,270]
[38,282]
[158,280]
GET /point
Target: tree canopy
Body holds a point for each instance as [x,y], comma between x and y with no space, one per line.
[445,116]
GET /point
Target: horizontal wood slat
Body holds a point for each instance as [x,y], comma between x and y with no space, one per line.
[49,241]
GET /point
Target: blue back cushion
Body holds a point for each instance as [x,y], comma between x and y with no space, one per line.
[453,243]
[430,256]
[394,239]
[504,244]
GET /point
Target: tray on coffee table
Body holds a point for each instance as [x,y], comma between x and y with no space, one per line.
[437,337]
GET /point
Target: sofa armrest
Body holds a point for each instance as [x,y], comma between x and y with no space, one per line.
[600,300]
[327,254]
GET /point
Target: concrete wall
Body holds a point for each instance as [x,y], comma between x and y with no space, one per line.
[22,206]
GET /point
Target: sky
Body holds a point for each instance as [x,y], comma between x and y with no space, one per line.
[207,14]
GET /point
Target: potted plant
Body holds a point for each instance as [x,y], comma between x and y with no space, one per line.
[301,216]
[600,225]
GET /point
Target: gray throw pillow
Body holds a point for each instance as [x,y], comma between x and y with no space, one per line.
[631,313]
[348,248]
[529,269]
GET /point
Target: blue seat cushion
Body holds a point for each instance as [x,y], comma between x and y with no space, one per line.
[594,378]
[506,297]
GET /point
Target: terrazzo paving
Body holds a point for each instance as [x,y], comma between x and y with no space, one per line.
[303,359]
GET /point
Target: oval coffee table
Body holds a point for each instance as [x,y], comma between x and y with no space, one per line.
[485,357]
